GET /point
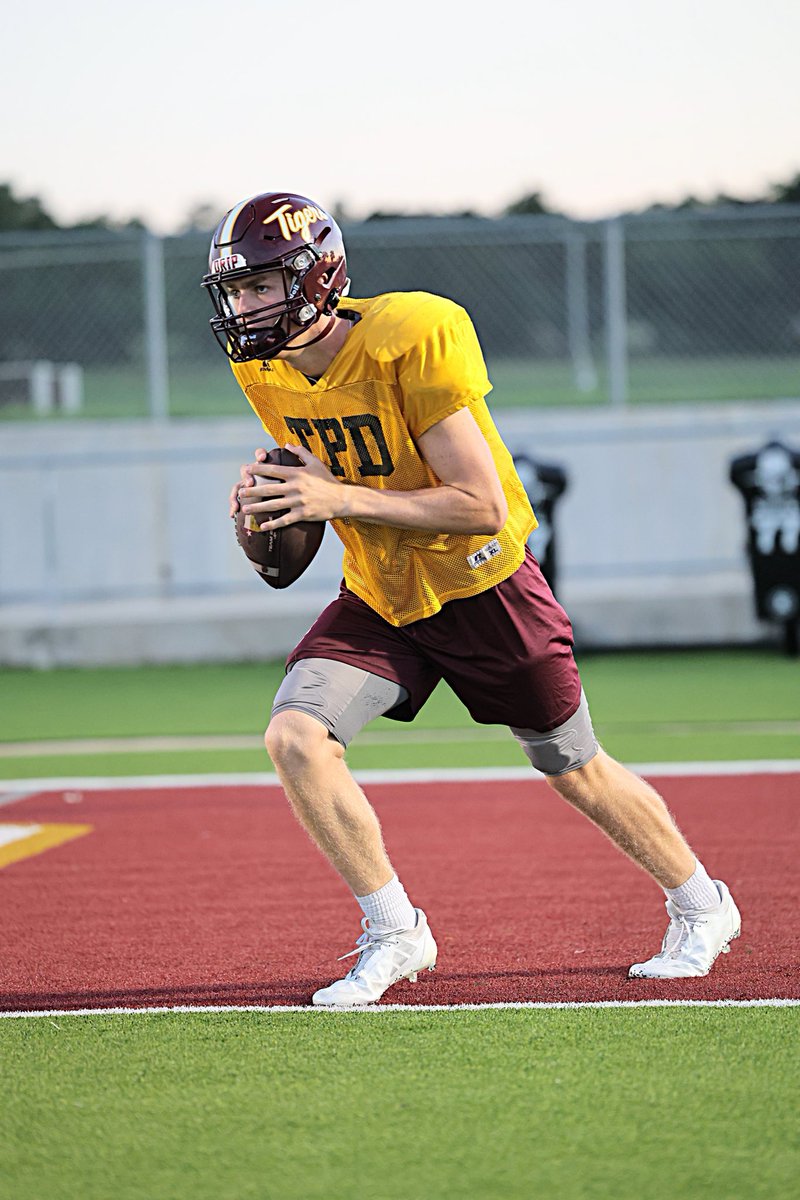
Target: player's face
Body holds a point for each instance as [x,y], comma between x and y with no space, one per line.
[255,291]
[250,294]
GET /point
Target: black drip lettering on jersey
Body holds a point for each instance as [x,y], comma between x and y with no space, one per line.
[301,428]
[335,444]
[356,426]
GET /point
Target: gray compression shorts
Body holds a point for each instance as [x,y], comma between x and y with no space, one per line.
[344,698]
[563,749]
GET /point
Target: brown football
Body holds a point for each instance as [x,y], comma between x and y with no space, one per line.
[279,555]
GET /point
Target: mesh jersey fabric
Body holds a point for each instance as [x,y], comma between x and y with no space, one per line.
[411,360]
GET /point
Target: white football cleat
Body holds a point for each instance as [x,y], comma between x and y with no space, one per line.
[692,941]
[383,959]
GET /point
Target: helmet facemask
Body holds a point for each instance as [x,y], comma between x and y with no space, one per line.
[263,332]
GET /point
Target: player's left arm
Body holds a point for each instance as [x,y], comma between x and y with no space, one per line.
[470,497]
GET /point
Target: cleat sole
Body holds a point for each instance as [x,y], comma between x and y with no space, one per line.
[412,978]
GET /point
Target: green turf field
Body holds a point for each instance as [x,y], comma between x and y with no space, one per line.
[509,1105]
[212,391]
[647,707]
[678,1103]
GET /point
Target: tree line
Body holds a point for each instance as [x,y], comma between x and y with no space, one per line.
[28,213]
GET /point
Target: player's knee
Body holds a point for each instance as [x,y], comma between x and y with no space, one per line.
[293,739]
[564,752]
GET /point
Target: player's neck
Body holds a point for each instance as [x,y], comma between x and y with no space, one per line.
[315,359]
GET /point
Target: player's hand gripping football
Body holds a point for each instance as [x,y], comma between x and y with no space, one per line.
[307,493]
[245,480]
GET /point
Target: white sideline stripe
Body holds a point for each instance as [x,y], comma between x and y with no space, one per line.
[48,747]
[7,797]
[215,741]
[16,833]
[94,783]
[404,1008]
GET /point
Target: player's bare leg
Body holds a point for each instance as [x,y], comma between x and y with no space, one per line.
[704,919]
[632,814]
[340,820]
[327,801]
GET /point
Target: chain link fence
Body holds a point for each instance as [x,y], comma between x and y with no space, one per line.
[665,307]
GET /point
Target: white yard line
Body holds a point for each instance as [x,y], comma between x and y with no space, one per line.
[124,745]
[49,747]
[94,783]
[8,796]
[404,1008]
[236,741]
[16,833]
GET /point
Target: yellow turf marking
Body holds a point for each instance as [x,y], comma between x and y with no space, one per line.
[23,841]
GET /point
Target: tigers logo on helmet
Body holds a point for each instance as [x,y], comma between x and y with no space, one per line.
[296,220]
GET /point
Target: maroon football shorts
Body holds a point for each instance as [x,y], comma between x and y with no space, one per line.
[506,653]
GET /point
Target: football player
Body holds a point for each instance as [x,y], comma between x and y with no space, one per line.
[383,401]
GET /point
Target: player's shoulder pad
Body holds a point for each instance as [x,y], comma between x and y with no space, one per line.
[398,321]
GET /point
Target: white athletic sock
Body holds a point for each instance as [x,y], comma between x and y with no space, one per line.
[697,894]
[389,907]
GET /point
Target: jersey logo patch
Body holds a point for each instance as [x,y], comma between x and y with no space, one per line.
[482,556]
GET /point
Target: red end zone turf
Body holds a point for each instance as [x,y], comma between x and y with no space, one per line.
[214,896]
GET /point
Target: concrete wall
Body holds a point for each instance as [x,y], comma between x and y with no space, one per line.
[115,544]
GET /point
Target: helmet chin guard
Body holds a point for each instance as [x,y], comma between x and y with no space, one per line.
[285,233]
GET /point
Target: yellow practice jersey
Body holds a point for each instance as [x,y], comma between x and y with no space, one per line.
[411,360]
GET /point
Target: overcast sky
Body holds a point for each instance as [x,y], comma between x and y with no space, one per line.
[149,109]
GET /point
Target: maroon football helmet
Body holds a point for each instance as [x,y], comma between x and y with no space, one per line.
[281,232]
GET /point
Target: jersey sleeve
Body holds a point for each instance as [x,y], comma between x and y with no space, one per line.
[443,371]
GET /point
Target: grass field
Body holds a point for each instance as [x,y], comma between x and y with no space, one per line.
[576,1104]
[464,1105]
[212,391]
[659,706]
